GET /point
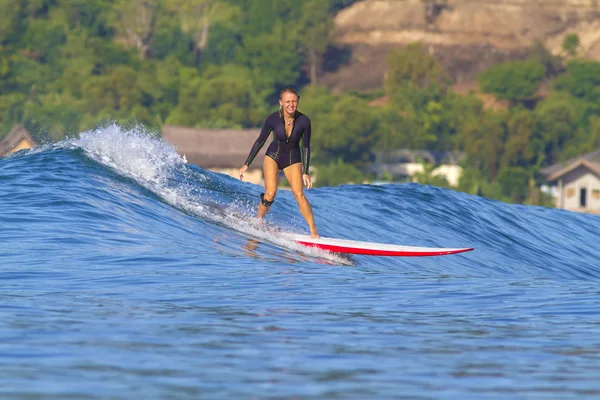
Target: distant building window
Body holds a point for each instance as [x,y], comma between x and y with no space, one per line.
[583,197]
[596,194]
[570,192]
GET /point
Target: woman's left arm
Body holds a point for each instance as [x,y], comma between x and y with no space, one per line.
[305,149]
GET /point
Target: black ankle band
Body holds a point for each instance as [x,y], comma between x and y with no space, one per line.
[264,202]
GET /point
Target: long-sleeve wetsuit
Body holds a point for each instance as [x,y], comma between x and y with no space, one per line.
[285,150]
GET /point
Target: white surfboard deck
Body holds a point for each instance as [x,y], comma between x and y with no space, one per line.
[346,246]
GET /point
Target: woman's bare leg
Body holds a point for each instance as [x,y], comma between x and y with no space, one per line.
[270,172]
[293,174]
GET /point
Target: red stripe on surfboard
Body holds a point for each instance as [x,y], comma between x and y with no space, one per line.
[375,252]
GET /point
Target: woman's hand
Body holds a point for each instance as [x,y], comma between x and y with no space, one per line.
[242,170]
[307,181]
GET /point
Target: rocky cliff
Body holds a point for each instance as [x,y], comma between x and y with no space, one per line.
[465,35]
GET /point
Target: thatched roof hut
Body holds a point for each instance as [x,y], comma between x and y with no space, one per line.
[221,150]
[214,148]
[17,139]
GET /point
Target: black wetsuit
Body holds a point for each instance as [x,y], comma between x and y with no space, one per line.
[285,150]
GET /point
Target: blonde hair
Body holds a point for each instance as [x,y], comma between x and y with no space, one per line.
[284,91]
[289,90]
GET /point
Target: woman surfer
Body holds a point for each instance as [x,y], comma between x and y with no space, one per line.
[285,153]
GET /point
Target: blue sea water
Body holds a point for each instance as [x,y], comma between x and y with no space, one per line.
[126,273]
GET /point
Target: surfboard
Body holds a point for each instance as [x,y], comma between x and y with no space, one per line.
[373,249]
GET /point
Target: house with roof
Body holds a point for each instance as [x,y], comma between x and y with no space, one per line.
[219,150]
[577,183]
[17,139]
[401,165]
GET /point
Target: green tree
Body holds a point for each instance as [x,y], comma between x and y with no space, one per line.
[570,44]
[471,179]
[592,141]
[348,133]
[457,111]
[274,65]
[13,23]
[482,140]
[517,149]
[316,101]
[223,97]
[260,16]
[581,79]
[91,17]
[514,81]
[338,173]
[42,39]
[135,23]
[12,108]
[198,17]
[53,116]
[169,75]
[556,120]
[396,130]
[513,181]
[420,122]
[411,65]
[315,28]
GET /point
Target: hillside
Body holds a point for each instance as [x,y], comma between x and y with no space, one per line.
[466,36]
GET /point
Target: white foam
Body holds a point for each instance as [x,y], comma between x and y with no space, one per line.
[132,152]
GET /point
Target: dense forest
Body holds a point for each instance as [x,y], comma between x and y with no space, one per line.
[71,65]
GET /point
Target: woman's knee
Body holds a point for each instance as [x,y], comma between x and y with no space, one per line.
[270,194]
[300,197]
[268,197]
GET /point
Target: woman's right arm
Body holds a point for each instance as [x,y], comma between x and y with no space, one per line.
[260,142]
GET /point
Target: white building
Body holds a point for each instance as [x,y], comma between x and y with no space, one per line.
[402,165]
[577,183]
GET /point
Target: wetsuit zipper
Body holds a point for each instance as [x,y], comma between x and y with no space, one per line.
[287,138]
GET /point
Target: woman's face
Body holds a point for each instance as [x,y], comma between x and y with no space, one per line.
[289,102]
